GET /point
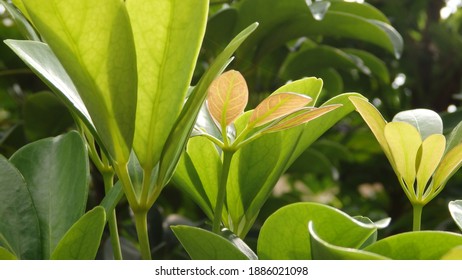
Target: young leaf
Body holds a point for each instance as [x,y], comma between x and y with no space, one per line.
[455,208]
[60,194]
[300,117]
[404,142]
[450,163]
[276,106]
[427,122]
[205,245]
[227,98]
[19,225]
[82,240]
[432,151]
[455,138]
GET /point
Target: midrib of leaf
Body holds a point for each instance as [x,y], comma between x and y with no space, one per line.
[157,96]
[271,110]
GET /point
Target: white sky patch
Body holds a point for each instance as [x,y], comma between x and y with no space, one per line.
[357,1]
[450,8]
[452,108]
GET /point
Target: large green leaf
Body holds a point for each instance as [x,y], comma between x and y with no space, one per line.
[167,47]
[19,225]
[82,240]
[56,171]
[323,250]
[285,235]
[94,43]
[423,245]
[205,245]
[455,208]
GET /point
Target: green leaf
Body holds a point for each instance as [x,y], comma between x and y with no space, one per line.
[39,57]
[40,111]
[60,194]
[453,254]
[6,255]
[309,61]
[431,152]
[227,98]
[79,36]
[21,22]
[112,198]
[450,163]
[404,142]
[20,5]
[284,235]
[377,67]
[276,106]
[301,117]
[455,138]
[422,245]
[455,208]
[82,240]
[178,137]
[219,32]
[322,250]
[165,66]
[375,121]
[427,122]
[205,245]
[19,225]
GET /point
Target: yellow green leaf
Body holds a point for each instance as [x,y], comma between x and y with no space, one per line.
[404,141]
[374,120]
[276,106]
[227,97]
[432,151]
[448,166]
[302,116]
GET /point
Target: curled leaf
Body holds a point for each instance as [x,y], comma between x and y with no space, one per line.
[227,97]
[276,106]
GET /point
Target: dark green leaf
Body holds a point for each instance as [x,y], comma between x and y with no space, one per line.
[82,240]
[56,171]
[19,225]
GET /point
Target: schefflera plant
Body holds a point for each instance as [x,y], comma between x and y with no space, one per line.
[124,69]
[231,170]
[418,152]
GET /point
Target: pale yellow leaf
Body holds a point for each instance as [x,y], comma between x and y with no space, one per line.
[432,151]
[450,163]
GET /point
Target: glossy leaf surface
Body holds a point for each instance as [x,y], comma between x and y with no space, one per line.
[82,240]
[59,197]
[78,34]
[455,208]
[205,245]
[285,234]
[19,225]
[423,245]
[427,122]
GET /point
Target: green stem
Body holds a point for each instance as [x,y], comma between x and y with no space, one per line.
[108,178]
[142,231]
[417,216]
[221,195]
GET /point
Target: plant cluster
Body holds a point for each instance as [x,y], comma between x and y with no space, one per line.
[147,114]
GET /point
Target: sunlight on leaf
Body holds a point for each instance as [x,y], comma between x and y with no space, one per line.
[227,97]
[298,118]
[432,151]
[276,106]
[455,208]
[427,122]
[450,163]
[404,142]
